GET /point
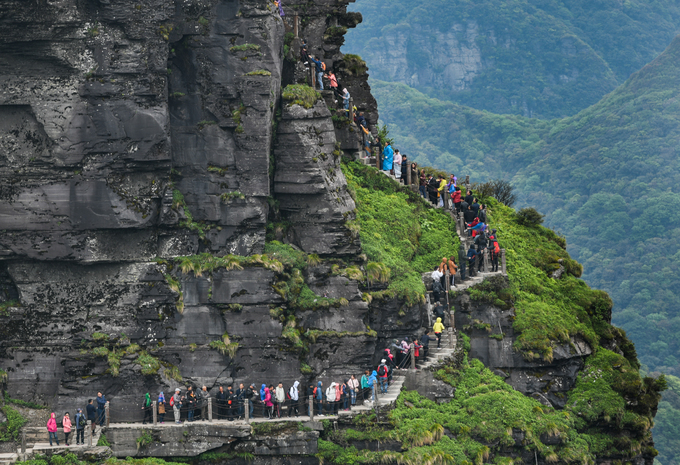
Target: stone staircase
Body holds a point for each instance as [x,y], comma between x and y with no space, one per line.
[37,442]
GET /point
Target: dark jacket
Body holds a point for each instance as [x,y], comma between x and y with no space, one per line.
[91,412]
[101,402]
[469,199]
[481,214]
[77,421]
[475,208]
[469,215]
[425,340]
[472,253]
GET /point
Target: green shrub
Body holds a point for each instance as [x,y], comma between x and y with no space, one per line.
[529,217]
[300,94]
[9,431]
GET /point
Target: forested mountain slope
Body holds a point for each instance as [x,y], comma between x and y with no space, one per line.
[539,58]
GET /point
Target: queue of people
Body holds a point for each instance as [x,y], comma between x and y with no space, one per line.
[93,416]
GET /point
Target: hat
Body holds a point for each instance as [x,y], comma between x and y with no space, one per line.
[382,361]
[178,390]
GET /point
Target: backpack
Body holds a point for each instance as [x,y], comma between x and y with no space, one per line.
[496,247]
[381,370]
[172,401]
[315,391]
[323,66]
[437,286]
[81,421]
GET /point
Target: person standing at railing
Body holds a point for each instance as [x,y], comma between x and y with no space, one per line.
[345,100]
[251,395]
[423,184]
[404,169]
[146,407]
[372,381]
[81,423]
[101,408]
[319,70]
[268,398]
[52,428]
[456,198]
[382,375]
[397,164]
[365,387]
[294,396]
[91,414]
[67,425]
[221,404]
[176,403]
[330,398]
[472,256]
[161,407]
[353,385]
[318,397]
[388,157]
[192,404]
[280,399]
[240,397]
[203,401]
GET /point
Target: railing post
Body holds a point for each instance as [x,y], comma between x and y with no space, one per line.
[210,409]
[155,413]
[89,434]
[311,73]
[413,356]
[377,159]
[487,264]
[108,415]
[450,330]
[23,442]
[311,408]
[503,262]
[375,391]
[295,25]
[246,405]
[351,110]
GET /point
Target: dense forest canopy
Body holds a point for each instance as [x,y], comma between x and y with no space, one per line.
[539,58]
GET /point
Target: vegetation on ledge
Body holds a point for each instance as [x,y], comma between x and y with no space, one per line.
[398,231]
[300,94]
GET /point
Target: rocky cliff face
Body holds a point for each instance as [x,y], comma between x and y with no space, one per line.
[133,134]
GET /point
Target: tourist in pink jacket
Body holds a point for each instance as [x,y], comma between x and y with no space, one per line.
[52,428]
[66,423]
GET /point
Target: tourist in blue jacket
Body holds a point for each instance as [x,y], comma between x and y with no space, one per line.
[388,157]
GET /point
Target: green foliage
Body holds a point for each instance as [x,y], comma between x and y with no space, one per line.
[306,369]
[399,233]
[666,425]
[354,64]
[259,72]
[228,196]
[529,217]
[9,430]
[145,439]
[300,94]
[20,402]
[225,346]
[150,364]
[286,254]
[100,337]
[103,442]
[245,48]
[203,123]
[5,306]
